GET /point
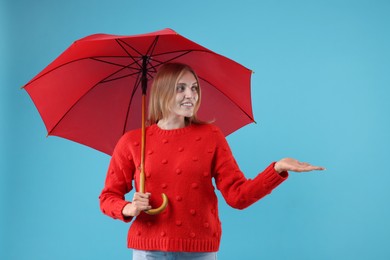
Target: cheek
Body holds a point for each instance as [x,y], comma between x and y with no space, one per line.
[177,101]
[197,97]
[179,96]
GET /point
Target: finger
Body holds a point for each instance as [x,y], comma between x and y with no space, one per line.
[141,202]
[147,208]
[315,167]
[140,209]
[320,168]
[141,205]
[141,195]
[144,195]
[306,164]
[310,168]
[144,207]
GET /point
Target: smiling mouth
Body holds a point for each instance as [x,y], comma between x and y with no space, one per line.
[187,104]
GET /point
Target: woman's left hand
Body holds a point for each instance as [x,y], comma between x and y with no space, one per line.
[290,164]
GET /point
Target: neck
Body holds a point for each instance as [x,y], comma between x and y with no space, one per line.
[169,124]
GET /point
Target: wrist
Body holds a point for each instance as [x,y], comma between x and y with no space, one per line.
[127,211]
[277,168]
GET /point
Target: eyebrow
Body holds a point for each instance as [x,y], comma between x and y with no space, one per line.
[182,83]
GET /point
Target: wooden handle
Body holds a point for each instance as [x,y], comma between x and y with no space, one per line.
[142,174]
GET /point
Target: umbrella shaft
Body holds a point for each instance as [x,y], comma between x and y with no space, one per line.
[142,174]
[144,79]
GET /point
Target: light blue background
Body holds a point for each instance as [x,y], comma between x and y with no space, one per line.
[320,94]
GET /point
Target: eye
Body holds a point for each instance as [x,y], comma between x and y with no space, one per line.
[180,88]
[195,88]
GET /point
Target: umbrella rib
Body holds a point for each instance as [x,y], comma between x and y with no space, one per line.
[129,66]
[76,60]
[136,86]
[71,107]
[121,77]
[120,42]
[53,69]
[152,46]
[123,67]
[154,67]
[148,53]
[174,58]
[98,58]
[182,51]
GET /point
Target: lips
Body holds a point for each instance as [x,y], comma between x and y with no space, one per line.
[187,104]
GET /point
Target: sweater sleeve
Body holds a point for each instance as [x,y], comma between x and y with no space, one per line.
[118,181]
[238,191]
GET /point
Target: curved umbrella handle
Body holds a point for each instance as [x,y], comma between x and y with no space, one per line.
[142,189]
[161,208]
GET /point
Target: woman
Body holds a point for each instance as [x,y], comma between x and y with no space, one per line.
[183,156]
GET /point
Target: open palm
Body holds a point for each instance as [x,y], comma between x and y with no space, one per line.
[290,164]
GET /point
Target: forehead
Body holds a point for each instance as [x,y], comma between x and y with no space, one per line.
[187,77]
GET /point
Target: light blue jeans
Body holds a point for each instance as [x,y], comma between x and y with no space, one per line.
[160,255]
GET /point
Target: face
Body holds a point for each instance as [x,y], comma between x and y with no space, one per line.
[186,97]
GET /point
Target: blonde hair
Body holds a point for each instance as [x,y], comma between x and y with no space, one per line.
[163,92]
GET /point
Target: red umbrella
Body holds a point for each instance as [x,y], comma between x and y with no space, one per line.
[91,93]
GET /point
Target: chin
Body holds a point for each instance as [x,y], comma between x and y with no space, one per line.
[189,115]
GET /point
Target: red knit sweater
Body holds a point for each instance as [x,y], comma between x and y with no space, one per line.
[181,163]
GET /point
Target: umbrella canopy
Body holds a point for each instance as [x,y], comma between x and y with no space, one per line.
[91,93]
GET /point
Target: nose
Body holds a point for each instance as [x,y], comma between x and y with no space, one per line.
[188,93]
